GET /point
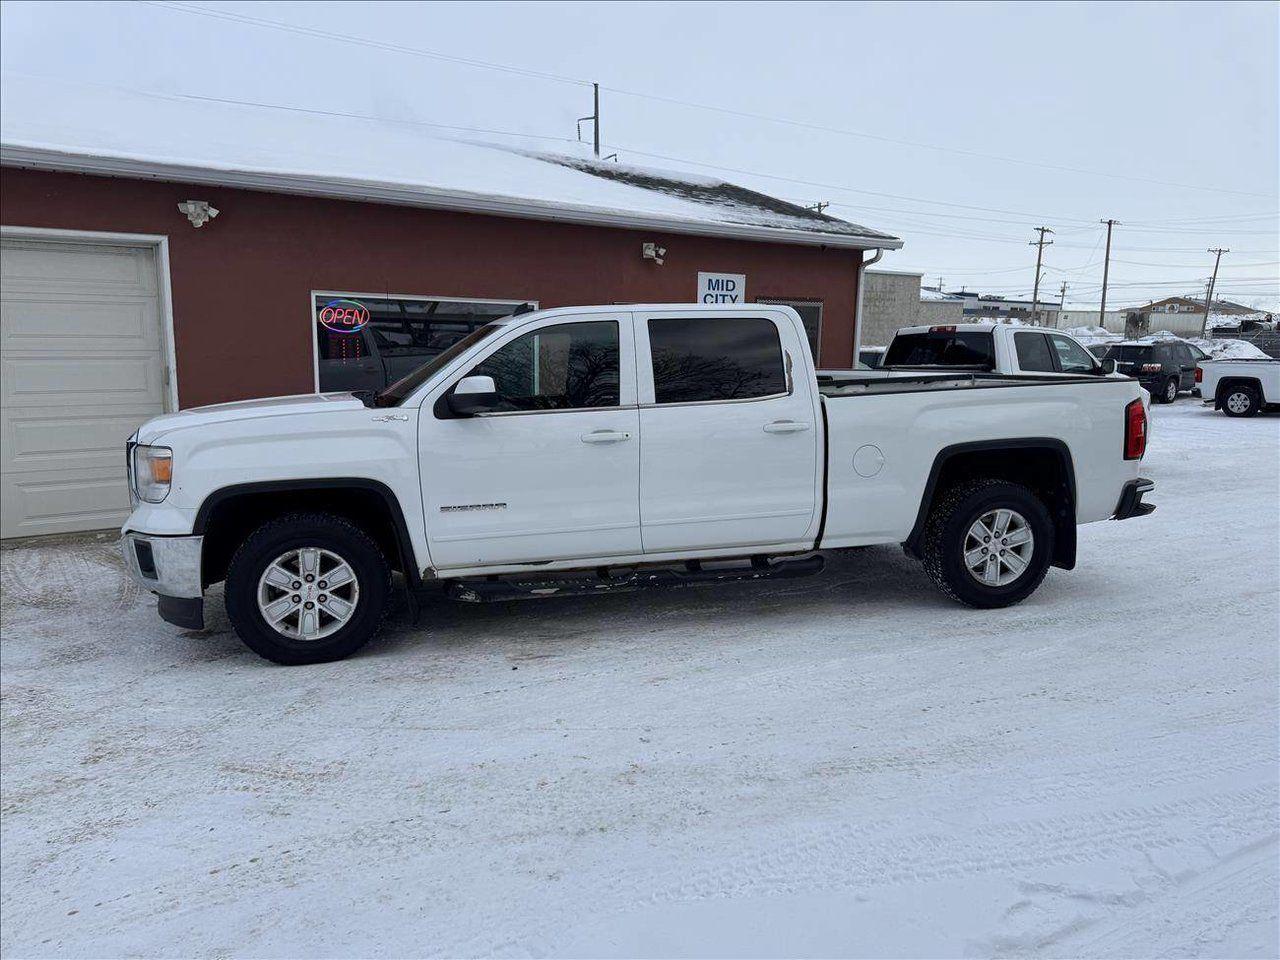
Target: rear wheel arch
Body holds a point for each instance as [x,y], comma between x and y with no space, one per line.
[1226,384]
[1042,464]
[229,515]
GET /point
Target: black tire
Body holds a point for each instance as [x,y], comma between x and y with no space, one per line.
[1169,392]
[944,540]
[1244,397]
[300,530]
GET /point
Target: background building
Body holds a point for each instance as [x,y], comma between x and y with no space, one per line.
[890,300]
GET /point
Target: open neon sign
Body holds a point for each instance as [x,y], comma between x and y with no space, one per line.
[344,316]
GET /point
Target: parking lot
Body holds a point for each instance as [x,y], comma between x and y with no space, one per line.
[843,765]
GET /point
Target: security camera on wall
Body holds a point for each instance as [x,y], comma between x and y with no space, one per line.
[199,212]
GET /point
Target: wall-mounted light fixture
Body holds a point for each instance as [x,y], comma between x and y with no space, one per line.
[199,212]
[651,251]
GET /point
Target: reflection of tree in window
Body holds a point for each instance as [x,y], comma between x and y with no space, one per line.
[567,366]
[715,359]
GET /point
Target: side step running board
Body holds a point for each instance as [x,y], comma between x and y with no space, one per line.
[690,574]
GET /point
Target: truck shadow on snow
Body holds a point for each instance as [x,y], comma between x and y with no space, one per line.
[876,583]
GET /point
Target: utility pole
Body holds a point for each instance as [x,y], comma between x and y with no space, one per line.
[594,118]
[1213,282]
[1039,244]
[820,206]
[1062,297]
[1106,269]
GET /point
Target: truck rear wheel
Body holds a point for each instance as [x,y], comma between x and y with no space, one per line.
[307,588]
[988,543]
[1241,400]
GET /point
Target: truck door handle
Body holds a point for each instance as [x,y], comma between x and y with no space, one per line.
[605,436]
[785,426]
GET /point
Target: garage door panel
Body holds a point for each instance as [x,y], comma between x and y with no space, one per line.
[79,439]
[37,265]
[63,501]
[32,380]
[81,367]
[77,324]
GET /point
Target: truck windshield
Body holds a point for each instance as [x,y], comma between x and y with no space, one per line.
[940,348]
[394,395]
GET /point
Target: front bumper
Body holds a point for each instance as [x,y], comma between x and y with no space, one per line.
[1131,504]
[170,567]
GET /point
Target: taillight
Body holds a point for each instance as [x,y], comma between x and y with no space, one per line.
[1199,375]
[1135,430]
[942,329]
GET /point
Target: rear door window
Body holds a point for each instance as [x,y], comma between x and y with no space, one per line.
[941,349]
[715,358]
[1033,353]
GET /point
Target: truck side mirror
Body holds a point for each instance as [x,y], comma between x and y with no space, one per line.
[473,395]
[1108,367]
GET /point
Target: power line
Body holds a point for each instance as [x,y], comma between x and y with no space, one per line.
[318,33]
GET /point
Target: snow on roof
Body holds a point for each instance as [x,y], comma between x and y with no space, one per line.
[928,294]
[101,129]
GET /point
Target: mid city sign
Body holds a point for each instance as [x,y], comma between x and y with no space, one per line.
[722,288]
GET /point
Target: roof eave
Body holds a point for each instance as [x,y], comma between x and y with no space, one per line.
[398,194]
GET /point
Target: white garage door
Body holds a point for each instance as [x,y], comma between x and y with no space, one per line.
[81,366]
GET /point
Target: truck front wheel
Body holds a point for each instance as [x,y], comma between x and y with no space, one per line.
[307,588]
[988,543]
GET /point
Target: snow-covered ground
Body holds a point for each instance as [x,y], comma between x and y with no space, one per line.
[845,765]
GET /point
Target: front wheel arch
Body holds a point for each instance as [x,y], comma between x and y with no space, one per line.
[230,514]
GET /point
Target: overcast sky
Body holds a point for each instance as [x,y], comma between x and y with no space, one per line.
[957,127]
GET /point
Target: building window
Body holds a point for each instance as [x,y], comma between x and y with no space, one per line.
[810,314]
[367,342]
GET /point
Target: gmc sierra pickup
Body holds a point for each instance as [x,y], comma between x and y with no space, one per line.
[586,449]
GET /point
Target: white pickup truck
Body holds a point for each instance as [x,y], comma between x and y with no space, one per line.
[587,449]
[1239,388]
[996,347]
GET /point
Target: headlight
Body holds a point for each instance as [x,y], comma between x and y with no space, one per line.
[152,472]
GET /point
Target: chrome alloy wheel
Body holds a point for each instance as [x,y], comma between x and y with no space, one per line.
[998,547]
[1238,402]
[308,593]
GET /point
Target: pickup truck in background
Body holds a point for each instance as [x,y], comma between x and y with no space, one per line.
[1239,388]
[587,449]
[998,347]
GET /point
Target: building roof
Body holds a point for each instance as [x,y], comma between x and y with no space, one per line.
[106,130]
[1218,305]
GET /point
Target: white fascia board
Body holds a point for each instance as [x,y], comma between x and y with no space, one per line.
[43,158]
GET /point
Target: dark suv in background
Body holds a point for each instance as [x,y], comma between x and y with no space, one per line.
[1165,368]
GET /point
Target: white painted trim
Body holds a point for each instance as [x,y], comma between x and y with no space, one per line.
[311,307]
[857,306]
[403,194]
[159,244]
